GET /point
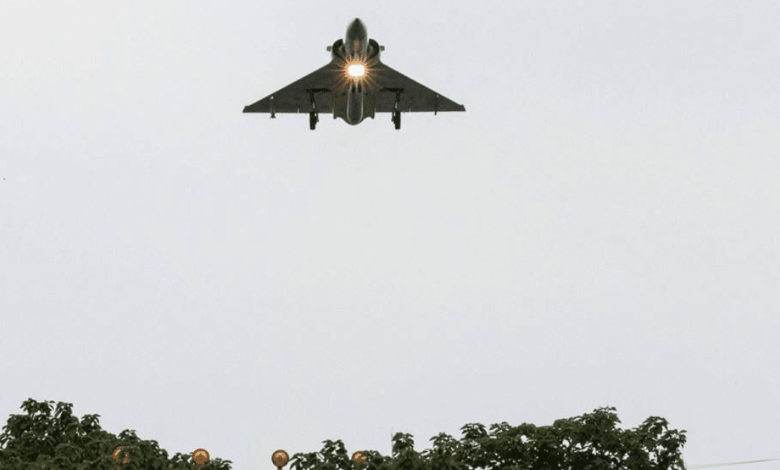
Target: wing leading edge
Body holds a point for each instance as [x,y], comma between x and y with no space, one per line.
[296,97]
[411,96]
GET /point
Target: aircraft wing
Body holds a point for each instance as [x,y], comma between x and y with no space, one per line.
[296,97]
[414,97]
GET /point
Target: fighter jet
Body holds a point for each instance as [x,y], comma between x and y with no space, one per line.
[355,85]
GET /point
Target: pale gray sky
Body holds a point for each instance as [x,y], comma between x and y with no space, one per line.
[600,228]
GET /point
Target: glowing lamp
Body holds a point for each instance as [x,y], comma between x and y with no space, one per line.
[356,70]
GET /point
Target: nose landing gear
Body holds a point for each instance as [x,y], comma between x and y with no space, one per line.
[313,120]
[397,119]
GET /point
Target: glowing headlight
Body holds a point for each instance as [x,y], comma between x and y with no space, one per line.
[356,70]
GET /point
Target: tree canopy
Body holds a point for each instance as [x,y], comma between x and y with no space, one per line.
[39,440]
[588,442]
[592,441]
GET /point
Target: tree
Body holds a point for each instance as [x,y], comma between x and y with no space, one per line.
[588,442]
[39,440]
[592,441]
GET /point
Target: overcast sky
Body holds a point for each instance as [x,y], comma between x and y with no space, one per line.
[601,227]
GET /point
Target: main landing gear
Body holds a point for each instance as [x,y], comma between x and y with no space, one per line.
[396,106]
[313,119]
[314,115]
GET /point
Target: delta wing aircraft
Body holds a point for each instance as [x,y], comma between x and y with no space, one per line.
[353,86]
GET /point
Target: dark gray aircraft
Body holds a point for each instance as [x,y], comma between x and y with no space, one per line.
[353,86]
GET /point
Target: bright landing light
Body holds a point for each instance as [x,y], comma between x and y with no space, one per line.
[356,70]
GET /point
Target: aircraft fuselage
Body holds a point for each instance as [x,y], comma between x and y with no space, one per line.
[356,102]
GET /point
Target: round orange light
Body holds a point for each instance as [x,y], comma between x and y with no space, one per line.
[200,456]
[280,458]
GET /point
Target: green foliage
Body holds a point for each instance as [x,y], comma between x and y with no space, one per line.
[588,442]
[38,440]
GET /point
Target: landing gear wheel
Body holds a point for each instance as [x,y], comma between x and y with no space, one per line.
[313,119]
[397,119]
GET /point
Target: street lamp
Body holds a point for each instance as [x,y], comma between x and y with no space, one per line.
[359,457]
[280,458]
[200,456]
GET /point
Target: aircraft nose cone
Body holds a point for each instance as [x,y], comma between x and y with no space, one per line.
[357,28]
